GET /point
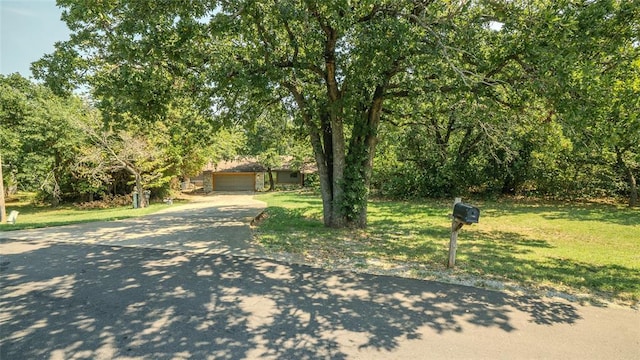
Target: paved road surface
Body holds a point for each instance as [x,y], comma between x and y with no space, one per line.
[93,300]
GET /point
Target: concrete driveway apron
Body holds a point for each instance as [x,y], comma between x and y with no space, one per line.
[218,224]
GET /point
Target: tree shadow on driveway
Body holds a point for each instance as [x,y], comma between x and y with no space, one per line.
[95,301]
[201,228]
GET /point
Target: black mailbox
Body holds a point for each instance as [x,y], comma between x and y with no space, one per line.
[466,213]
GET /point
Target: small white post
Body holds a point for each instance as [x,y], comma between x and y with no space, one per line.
[453,242]
[13,217]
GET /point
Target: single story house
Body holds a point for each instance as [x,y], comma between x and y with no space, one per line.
[288,174]
[246,174]
[235,175]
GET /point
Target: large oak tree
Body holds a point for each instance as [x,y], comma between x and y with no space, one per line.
[338,65]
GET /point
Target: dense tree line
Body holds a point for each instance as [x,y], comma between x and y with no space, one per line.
[38,143]
[438,97]
[555,114]
[65,149]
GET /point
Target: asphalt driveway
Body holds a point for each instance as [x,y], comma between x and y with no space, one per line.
[179,290]
[216,224]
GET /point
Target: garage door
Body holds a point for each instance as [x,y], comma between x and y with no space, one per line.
[233,182]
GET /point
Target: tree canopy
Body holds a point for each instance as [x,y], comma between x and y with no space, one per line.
[462,85]
[66,150]
[38,141]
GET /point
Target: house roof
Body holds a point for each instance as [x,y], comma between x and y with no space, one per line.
[307,167]
[236,165]
[251,164]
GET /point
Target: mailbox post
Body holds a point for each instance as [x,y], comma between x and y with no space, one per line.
[463,214]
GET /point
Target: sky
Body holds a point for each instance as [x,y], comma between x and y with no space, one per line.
[28,31]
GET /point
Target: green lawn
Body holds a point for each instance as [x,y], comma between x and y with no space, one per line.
[34,216]
[591,249]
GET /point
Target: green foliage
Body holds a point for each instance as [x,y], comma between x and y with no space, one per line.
[356,193]
[62,147]
[593,75]
[489,97]
[38,139]
[579,248]
[542,107]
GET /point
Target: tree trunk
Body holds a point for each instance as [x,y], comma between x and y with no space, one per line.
[142,199]
[320,148]
[3,209]
[362,147]
[324,160]
[338,218]
[631,179]
[55,193]
[139,186]
[344,179]
[272,184]
[633,188]
[337,143]
[344,175]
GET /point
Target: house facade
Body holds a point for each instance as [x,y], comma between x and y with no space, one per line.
[288,177]
[236,175]
[246,174]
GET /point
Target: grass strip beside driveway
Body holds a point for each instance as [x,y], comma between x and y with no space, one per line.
[35,216]
[586,250]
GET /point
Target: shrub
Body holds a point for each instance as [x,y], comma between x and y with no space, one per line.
[109,201]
